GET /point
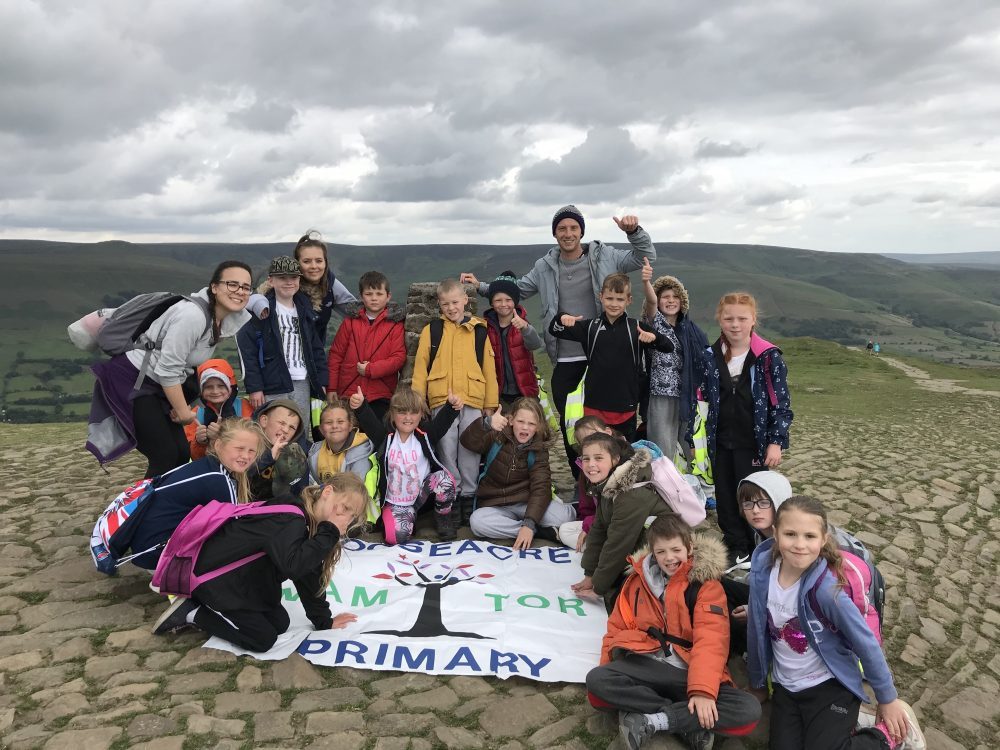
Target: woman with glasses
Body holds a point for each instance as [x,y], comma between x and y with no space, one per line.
[153,410]
[318,282]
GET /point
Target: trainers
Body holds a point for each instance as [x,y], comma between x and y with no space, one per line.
[634,729]
[700,739]
[445,525]
[464,505]
[175,617]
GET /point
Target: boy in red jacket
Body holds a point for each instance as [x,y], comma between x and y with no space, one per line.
[369,349]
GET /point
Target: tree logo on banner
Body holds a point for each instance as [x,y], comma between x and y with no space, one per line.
[428,623]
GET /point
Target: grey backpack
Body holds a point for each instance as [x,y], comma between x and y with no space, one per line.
[119,330]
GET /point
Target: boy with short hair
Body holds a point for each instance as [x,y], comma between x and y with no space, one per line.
[282,424]
[663,660]
[282,354]
[460,363]
[613,344]
[513,339]
[369,349]
[220,399]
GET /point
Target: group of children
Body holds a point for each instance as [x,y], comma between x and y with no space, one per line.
[467,439]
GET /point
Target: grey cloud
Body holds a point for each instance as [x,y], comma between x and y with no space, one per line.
[864,158]
[773,193]
[930,197]
[272,117]
[685,189]
[869,199]
[607,166]
[709,149]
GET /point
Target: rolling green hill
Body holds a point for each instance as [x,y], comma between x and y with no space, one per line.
[951,314]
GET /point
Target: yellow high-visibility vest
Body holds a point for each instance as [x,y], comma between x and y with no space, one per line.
[574,410]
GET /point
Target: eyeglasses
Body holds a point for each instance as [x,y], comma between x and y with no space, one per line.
[763,504]
[235,286]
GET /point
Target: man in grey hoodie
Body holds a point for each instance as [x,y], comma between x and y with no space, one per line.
[568,279]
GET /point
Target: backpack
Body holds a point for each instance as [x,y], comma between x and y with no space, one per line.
[677,490]
[437,333]
[175,570]
[866,588]
[119,330]
[112,534]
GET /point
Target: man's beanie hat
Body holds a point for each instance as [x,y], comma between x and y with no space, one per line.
[284,265]
[505,283]
[568,212]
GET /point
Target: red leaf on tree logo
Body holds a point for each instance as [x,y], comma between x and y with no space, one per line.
[385,576]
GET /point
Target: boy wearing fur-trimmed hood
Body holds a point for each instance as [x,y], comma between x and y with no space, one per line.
[663,660]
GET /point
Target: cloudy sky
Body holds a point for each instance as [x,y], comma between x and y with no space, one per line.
[849,125]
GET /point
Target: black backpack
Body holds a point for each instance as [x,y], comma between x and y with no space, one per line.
[437,332]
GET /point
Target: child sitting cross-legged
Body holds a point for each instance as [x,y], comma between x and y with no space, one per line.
[411,473]
[663,661]
[514,498]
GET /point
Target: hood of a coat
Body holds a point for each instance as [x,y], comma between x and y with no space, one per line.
[706,563]
[625,476]
[393,312]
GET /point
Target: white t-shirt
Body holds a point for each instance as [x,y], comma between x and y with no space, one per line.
[406,469]
[736,364]
[291,340]
[796,665]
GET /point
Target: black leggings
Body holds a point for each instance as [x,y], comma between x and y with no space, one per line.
[566,376]
[729,467]
[822,717]
[254,631]
[161,440]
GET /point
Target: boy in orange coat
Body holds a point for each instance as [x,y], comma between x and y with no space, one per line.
[663,662]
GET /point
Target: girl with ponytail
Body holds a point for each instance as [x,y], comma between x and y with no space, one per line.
[807,635]
[244,606]
[745,382]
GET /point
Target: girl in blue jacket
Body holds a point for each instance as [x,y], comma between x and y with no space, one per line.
[807,633]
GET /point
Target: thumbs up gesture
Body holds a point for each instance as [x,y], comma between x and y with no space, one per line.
[498,421]
[357,399]
[646,337]
[518,322]
[647,270]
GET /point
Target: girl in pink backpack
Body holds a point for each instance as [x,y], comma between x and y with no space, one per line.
[243,606]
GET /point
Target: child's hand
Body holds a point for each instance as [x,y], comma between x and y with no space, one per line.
[584,588]
[647,270]
[518,322]
[468,278]
[580,541]
[277,448]
[772,458]
[627,224]
[342,620]
[740,613]
[362,367]
[894,716]
[646,337]
[331,396]
[201,434]
[524,538]
[498,421]
[584,583]
[357,398]
[568,321]
[213,431]
[706,710]
[257,399]
[455,400]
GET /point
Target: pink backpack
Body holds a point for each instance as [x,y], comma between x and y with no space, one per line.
[676,491]
[859,582]
[175,570]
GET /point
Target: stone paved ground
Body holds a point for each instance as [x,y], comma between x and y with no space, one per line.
[78,668]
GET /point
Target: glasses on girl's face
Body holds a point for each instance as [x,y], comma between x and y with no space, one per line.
[763,504]
[235,286]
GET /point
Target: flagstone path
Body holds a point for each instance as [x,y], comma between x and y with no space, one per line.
[79,669]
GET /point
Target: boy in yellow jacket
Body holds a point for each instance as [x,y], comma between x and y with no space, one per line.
[452,364]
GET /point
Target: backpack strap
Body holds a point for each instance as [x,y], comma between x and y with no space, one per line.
[151,346]
[437,332]
[491,454]
[767,380]
[480,334]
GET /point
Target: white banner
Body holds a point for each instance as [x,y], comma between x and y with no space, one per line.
[462,608]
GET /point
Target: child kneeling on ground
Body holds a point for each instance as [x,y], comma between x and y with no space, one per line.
[514,498]
[244,605]
[663,661]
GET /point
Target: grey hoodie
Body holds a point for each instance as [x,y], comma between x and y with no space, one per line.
[543,278]
[186,341]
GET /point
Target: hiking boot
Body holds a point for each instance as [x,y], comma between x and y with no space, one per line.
[465,505]
[548,533]
[175,617]
[700,739]
[634,729]
[290,467]
[445,525]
